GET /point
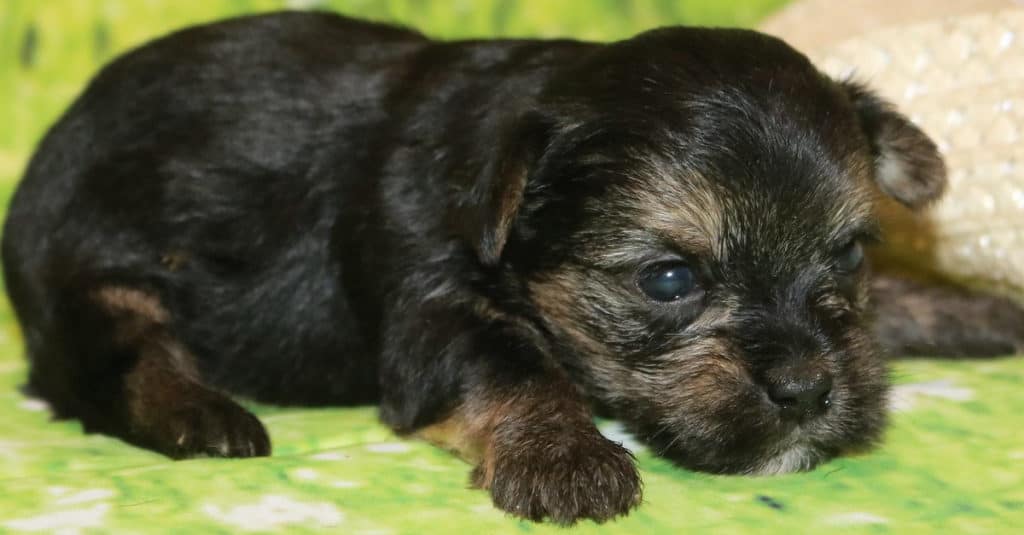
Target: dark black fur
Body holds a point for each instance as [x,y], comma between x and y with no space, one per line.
[307,209]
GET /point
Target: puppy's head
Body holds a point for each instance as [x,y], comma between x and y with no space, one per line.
[691,227]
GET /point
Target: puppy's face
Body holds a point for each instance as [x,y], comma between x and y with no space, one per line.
[723,317]
[694,242]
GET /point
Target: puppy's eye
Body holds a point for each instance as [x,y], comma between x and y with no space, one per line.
[850,257]
[667,282]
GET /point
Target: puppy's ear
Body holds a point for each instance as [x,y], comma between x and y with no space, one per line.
[485,216]
[908,166]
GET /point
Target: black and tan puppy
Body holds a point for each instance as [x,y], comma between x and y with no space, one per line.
[493,239]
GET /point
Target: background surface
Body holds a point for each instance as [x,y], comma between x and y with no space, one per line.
[951,462]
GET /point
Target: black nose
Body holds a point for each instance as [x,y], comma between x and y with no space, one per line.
[802,397]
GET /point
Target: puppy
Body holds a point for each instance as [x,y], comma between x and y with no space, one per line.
[492,239]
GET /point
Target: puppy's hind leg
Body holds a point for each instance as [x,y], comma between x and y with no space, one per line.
[130,377]
[915,318]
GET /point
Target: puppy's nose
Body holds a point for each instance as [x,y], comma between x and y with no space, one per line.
[802,397]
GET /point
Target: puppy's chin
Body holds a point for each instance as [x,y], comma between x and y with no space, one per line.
[796,458]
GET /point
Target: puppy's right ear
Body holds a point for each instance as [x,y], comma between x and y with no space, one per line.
[484,217]
[908,166]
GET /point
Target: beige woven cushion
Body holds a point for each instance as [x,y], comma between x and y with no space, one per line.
[815,24]
[962,80]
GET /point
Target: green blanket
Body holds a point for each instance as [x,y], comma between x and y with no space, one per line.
[953,459]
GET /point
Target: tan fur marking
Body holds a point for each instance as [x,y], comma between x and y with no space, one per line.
[469,433]
[139,319]
[472,431]
[557,297]
[508,202]
[688,211]
[554,297]
[120,300]
[460,433]
[706,375]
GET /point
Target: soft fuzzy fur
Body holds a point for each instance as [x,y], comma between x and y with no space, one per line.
[307,209]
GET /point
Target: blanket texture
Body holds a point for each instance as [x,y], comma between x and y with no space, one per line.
[951,462]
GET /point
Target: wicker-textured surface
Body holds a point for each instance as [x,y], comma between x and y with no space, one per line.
[814,24]
[962,80]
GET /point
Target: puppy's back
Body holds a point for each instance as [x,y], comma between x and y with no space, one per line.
[213,122]
[252,89]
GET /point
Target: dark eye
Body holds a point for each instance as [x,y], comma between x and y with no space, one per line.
[666,282]
[850,257]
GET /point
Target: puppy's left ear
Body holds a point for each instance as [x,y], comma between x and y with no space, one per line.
[908,166]
[484,217]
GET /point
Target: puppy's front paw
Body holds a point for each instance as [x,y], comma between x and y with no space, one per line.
[561,475]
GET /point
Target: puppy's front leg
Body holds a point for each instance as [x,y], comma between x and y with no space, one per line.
[477,385]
